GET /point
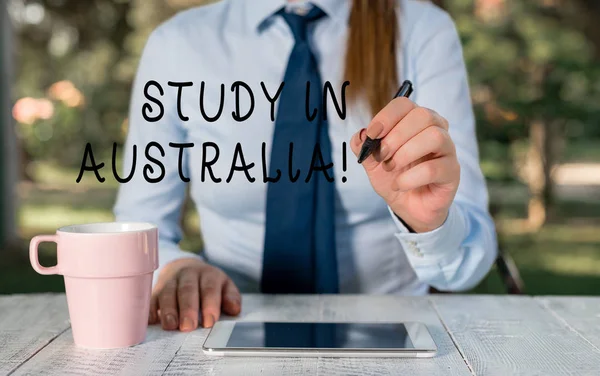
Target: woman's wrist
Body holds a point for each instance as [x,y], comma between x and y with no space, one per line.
[414,226]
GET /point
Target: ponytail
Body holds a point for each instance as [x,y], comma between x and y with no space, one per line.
[371,64]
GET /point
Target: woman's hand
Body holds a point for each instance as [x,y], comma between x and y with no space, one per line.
[186,285]
[415,169]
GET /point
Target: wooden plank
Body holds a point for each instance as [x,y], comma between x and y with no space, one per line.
[191,360]
[497,335]
[386,309]
[63,358]
[580,314]
[515,335]
[27,324]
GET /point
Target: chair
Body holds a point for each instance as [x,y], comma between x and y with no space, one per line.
[505,264]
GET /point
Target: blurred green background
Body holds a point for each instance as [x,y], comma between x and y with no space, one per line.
[535,78]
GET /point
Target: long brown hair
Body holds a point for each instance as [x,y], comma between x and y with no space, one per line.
[371,66]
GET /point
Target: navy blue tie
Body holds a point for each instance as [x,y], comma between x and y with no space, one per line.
[299,250]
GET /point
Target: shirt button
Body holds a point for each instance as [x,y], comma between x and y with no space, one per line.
[412,247]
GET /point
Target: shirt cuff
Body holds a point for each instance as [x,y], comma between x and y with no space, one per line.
[433,246]
[168,252]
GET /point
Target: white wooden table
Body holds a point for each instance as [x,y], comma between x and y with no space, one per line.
[476,335]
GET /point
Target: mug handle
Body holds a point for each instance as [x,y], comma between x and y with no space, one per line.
[33,254]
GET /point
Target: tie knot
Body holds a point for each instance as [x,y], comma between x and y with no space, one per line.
[298,23]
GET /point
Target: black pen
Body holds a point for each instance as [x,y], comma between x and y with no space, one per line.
[371,145]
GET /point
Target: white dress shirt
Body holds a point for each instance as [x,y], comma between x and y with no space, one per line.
[241,40]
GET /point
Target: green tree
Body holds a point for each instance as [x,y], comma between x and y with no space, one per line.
[533,67]
[93,44]
[534,77]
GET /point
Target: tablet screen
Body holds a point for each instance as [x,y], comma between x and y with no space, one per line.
[320,336]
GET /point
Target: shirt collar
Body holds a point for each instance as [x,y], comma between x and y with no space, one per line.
[258,11]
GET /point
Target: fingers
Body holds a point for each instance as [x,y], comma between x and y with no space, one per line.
[188,298]
[232,299]
[356,143]
[389,116]
[211,290]
[414,123]
[432,141]
[438,171]
[410,121]
[180,294]
[153,316]
[167,301]
[357,140]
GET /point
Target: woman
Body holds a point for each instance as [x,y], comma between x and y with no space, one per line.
[413,215]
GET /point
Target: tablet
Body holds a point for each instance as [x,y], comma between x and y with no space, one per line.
[323,339]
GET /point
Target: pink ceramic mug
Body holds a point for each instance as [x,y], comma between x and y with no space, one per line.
[108,270]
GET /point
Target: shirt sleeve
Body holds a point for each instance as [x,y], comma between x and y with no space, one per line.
[457,255]
[157,202]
